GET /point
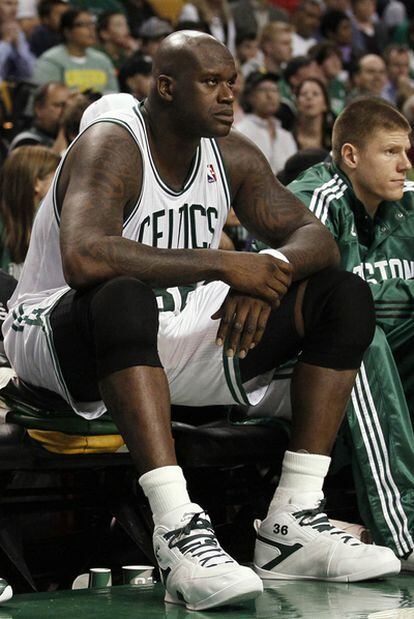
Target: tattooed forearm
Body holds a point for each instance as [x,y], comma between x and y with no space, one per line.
[272,213]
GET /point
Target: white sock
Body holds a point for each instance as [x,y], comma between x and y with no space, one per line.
[302,477]
[165,489]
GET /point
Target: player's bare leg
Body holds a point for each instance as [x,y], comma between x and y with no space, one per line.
[195,570]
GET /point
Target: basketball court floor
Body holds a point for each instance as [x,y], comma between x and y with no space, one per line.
[388,599]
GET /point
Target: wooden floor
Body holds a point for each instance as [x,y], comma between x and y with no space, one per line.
[389,599]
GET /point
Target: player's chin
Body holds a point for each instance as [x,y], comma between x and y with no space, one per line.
[218,132]
[395,192]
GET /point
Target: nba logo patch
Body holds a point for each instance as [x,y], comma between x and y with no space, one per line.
[211,173]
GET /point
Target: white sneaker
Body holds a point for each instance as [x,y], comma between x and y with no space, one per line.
[301,544]
[195,570]
[6,592]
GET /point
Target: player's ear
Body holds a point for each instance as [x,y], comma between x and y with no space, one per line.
[349,155]
[165,87]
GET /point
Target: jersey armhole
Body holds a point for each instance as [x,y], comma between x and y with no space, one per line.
[117,121]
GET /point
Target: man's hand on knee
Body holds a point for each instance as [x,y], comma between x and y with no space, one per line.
[243,321]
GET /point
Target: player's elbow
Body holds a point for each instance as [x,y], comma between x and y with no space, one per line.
[77,270]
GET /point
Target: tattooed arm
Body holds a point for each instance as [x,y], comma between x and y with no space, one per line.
[272,213]
[99,184]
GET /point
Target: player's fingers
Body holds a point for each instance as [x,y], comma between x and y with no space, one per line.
[261,325]
[227,313]
[249,330]
[237,327]
[270,296]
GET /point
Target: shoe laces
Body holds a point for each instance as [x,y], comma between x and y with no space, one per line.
[317,519]
[197,539]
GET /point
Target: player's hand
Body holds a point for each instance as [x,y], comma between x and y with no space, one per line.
[258,275]
[242,324]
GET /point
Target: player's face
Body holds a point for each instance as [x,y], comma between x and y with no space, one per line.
[382,166]
[204,95]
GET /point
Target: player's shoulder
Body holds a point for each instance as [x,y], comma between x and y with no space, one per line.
[240,153]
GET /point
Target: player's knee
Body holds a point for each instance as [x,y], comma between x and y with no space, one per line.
[124,318]
[339,316]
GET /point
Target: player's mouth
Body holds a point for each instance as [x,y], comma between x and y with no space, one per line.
[226,117]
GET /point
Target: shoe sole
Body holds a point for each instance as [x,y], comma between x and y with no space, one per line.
[237,592]
[391,568]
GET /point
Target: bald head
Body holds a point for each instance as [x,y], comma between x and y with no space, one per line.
[192,87]
[185,50]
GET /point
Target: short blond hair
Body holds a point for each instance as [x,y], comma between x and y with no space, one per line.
[274,29]
[361,119]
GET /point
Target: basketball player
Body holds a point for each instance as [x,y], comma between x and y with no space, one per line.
[125,303]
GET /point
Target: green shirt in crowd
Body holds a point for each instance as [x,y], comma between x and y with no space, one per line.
[94,71]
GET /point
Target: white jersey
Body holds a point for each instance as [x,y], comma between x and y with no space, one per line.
[196,370]
[162,217]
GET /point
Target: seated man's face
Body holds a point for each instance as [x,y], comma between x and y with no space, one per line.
[265,99]
[280,48]
[372,75]
[382,164]
[8,10]
[118,30]
[247,50]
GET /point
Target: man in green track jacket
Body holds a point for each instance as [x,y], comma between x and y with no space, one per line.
[365,201]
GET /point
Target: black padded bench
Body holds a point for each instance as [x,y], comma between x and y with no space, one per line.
[208,447]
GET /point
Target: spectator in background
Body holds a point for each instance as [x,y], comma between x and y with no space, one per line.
[297,70]
[276,46]
[306,20]
[261,101]
[71,118]
[247,48]
[254,15]
[368,76]
[336,27]
[27,16]
[399,85]
[135,75]
[16,59]
[238,90]
[114,37]
[138,11]
[314,119]
[96,7]
[338,5]
[329,60]
[48,103]
[369,34]
[217,18]
[26,177]
[75,62]
[47,33]
[152,32]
